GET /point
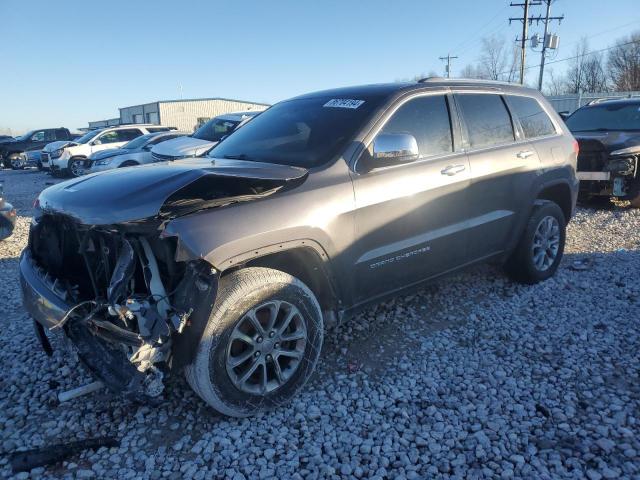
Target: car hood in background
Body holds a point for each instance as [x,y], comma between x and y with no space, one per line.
[112,152]
[53,146]
[132,194]
[183,147]
[610,141]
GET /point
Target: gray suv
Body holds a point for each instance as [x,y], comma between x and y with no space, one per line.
[231,266]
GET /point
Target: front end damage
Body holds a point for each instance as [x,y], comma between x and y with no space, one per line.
[126,302]
[130,298]
[608,173]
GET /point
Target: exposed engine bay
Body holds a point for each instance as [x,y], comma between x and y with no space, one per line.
[127,296]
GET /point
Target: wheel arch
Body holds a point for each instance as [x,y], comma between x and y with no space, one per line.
[558,192]
[302,259]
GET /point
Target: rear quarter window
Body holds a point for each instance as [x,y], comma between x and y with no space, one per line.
[534,120]
[487,119]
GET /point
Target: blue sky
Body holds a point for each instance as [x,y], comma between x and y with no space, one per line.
[68,62]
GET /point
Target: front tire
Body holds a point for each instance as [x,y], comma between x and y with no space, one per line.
[261,343]
[540,249]
[75,167]
[16,161]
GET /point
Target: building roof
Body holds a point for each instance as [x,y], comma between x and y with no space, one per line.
[207,99]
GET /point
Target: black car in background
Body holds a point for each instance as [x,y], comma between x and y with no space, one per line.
[608,132]
[7,216]
[13,152]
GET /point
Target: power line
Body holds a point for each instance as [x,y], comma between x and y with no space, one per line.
[525,24]
[448,58]
[580,55]
[476,32]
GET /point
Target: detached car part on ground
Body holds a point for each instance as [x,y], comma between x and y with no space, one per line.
[7,216]
[230,266]
[608,131]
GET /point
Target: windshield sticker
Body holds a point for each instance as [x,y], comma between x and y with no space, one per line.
[343,103]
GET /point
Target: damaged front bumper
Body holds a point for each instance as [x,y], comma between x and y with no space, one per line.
[615,175]
[126,340]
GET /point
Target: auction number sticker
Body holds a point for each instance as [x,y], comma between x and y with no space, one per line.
[343,103]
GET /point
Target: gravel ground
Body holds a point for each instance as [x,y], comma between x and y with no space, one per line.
[472,377]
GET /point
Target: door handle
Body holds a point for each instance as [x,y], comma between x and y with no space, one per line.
[524,154]
[452,170]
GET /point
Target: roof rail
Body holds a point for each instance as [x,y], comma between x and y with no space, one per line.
[608,99]
[461,80]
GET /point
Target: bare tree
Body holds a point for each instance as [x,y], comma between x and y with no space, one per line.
[624,63]
[471,71]
[586,72]
[555,85]
[493,58]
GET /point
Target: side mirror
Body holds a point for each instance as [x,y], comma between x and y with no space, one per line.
[564,115]
[147,148]
[394,148]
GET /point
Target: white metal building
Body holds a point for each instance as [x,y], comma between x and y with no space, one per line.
[185,115]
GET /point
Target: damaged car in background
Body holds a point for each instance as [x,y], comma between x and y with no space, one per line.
[608,131]
[229,266]
[8,216]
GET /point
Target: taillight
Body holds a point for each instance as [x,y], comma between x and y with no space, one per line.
[576,147]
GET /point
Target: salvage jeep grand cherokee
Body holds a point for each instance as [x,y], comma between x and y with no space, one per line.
[230,266]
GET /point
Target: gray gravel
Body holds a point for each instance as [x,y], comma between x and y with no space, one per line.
[472,377]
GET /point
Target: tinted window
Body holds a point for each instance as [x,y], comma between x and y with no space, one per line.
[427,119]
[49,135]
[534,120]
[61,134]
[305,132]
[612,116]
[215,129]
[38,136]
[128,134]
[158,129]
[487,119]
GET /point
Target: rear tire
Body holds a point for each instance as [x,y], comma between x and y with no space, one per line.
[231,335]
[539,251]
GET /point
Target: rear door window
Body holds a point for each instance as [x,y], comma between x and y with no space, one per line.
[61,134]
[128,134]
[427,119]
[487,119]
[534,120]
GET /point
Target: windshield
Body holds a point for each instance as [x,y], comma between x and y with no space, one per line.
[25,136]
[306,132]
[86,138]
[215,129]
[606,117]
[138,142]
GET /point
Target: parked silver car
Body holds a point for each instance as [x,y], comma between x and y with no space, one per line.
[136,152]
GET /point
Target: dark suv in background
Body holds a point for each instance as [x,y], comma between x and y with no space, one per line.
[608,131]
[13,152]
[230,266]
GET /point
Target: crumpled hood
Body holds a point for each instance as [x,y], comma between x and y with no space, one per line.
[610,141]
[183,147]
[53,146]
[112,152]
[126,195]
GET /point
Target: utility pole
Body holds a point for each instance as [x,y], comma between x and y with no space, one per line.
[525,24]
[545,39]
[448,58]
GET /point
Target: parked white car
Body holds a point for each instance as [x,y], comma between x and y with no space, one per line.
[203,139]
[136,152]
[69,157]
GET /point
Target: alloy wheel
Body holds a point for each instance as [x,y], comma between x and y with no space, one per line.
[266,347]
[546,243]
[77,168]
